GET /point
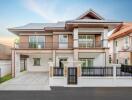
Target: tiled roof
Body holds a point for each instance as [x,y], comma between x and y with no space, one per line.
[121,30]
[40,25]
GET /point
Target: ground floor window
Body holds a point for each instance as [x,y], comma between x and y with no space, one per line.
[61,62]
[87,62]
[36,61]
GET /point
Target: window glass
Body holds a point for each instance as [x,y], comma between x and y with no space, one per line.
[36,41]
[32,39]
[86,41]
[116,43]
[87,62]
[63,38]
[36,61]
[41,41]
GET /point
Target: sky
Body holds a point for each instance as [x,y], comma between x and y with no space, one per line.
[19,12]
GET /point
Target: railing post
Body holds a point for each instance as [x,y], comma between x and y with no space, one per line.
[114,71]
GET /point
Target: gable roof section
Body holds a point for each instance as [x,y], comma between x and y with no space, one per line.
[89,17]
[90,14]
[121,30]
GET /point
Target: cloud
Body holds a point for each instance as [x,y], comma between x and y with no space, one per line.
[51,10]
[35,7]
[44,8]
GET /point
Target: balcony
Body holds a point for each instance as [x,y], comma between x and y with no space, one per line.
[44,45]
[90,44]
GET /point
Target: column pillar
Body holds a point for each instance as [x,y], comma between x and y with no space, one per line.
[65,68]
[13,63]
[114,72]
[17,64]
[54,58]
[76,54]
[51,65]
[75,37]
[107,57]
[105,38]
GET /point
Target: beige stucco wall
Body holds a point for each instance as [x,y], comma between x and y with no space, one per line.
[44,59]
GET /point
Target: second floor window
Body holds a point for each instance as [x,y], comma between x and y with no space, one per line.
[63,38]
[116,43]
[126,40]
[63,41]
[86,41]
[36,41]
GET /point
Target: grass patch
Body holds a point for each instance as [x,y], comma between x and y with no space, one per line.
[5,78]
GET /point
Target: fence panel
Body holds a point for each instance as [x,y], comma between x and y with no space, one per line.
[97,71]
[58,71]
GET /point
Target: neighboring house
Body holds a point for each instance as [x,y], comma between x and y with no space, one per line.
[5,53]
[82,39]
[121,44]
[5,60]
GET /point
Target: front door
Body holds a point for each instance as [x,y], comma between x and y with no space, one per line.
[72,75]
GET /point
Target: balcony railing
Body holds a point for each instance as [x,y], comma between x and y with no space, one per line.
[90,44]
[44,45]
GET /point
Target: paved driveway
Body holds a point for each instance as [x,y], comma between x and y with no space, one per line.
[27,81]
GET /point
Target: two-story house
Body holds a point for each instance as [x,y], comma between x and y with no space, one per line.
[82,39]
[121,44]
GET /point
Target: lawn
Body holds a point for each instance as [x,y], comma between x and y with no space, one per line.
[5,78]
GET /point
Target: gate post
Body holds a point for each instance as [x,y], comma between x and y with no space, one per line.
[51,65]
[114,71]
[65,68]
